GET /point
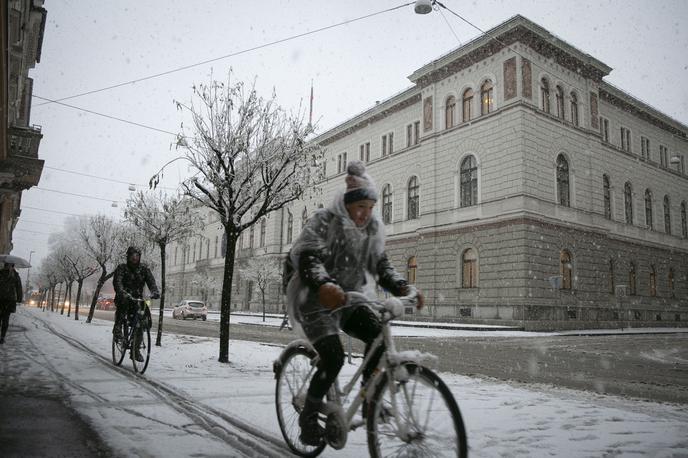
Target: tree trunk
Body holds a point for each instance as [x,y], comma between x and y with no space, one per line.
[158,339]
[68,297]
[226,300]
[52,298]
[262,294]
[59,291]
[104,276]
[80,283]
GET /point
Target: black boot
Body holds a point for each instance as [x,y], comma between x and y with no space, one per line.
[311,431]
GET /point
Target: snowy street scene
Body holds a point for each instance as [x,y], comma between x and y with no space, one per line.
[188,404]
[418,228]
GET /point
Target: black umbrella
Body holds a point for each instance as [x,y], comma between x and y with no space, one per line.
[19,263]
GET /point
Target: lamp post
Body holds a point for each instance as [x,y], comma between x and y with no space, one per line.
[28,273]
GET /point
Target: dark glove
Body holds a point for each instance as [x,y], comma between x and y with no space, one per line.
[420,299]
[331,295]
[155,296]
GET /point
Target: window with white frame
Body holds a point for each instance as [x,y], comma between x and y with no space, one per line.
[469,181]
[645,148]
[387,144]
[365,152]
[574,109]
[604,129]
[413,199]
[387,204]
[663,156]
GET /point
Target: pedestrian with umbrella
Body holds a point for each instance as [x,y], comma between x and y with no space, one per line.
[10,293]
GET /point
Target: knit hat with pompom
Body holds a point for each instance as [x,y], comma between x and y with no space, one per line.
[359,185]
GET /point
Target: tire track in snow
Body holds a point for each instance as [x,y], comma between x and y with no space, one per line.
[236,433]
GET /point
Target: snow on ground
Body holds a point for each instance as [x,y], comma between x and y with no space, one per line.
[502,419]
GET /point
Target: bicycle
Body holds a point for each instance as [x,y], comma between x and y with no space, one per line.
[134,334]
[410,410]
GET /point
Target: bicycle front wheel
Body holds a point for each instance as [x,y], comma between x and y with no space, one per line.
[427,421]
[142,341]
[119,343]
[293,378]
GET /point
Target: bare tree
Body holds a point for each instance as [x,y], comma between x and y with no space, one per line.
[204,283]
[263,271]
[162,220]
[100,235]
[249,158]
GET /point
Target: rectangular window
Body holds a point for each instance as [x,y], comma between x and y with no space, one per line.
[387,144]
[341,163]
[663,156]
[409,135]
[604,129]
[416,132]
[625,139]
[645,148]
[362,153]
[367,152]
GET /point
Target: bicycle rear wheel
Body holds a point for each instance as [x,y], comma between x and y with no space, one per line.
[293,378]
[119,344]
[428,421]
[142,341]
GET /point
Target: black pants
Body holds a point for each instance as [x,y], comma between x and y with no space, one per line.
[6,309]
[364,325]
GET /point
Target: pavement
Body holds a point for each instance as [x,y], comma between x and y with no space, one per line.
[37,421]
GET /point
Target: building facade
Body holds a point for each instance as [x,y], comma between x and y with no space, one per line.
[23,24]
[516,186]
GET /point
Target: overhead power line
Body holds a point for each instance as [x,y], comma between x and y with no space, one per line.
[49,211]
[133,123]
[128,183]
[74,194]
[234,54]
[24,220]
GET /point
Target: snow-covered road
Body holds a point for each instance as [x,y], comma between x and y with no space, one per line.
[188,404]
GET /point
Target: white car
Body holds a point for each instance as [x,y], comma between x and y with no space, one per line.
[190,309]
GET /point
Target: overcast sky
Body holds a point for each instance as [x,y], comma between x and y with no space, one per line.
[91,45]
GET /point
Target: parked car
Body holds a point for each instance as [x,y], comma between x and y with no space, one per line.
[190,309]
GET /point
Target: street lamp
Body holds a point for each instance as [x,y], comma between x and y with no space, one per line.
[423,6]
[28,272]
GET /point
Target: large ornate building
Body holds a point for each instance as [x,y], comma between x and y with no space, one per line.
[516,186]
[22,23]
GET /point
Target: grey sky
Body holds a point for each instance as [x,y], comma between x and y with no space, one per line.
[90,45]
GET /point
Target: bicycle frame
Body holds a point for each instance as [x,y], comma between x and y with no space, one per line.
[390,360]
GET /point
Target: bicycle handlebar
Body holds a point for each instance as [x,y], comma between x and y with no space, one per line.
[393,305]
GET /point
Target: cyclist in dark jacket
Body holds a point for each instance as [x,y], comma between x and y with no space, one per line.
[10,294]
[129,281]
[340,249]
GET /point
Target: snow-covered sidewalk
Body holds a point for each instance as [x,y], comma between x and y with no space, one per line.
[189,404]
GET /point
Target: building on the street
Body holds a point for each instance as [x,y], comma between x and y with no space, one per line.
[23,24]
[516,186]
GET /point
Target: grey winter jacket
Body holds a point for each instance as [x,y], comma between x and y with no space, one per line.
[331,248]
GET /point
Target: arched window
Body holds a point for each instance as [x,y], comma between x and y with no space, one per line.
[684,220]
[544,95]
[250,237]
[262,232]
[467,104]
[566,269]
[648,209]
[449,110]
[559,94]
[486,97]
[290,226]
[653,281]
[628,202]
[469,181]
[411,268]
[563,192]
[670,279]
[387,204]
[611,277]
[631,280]
[667,214]
[304,218]
[469,270]
[607,197]
[574,109]
[413,199]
